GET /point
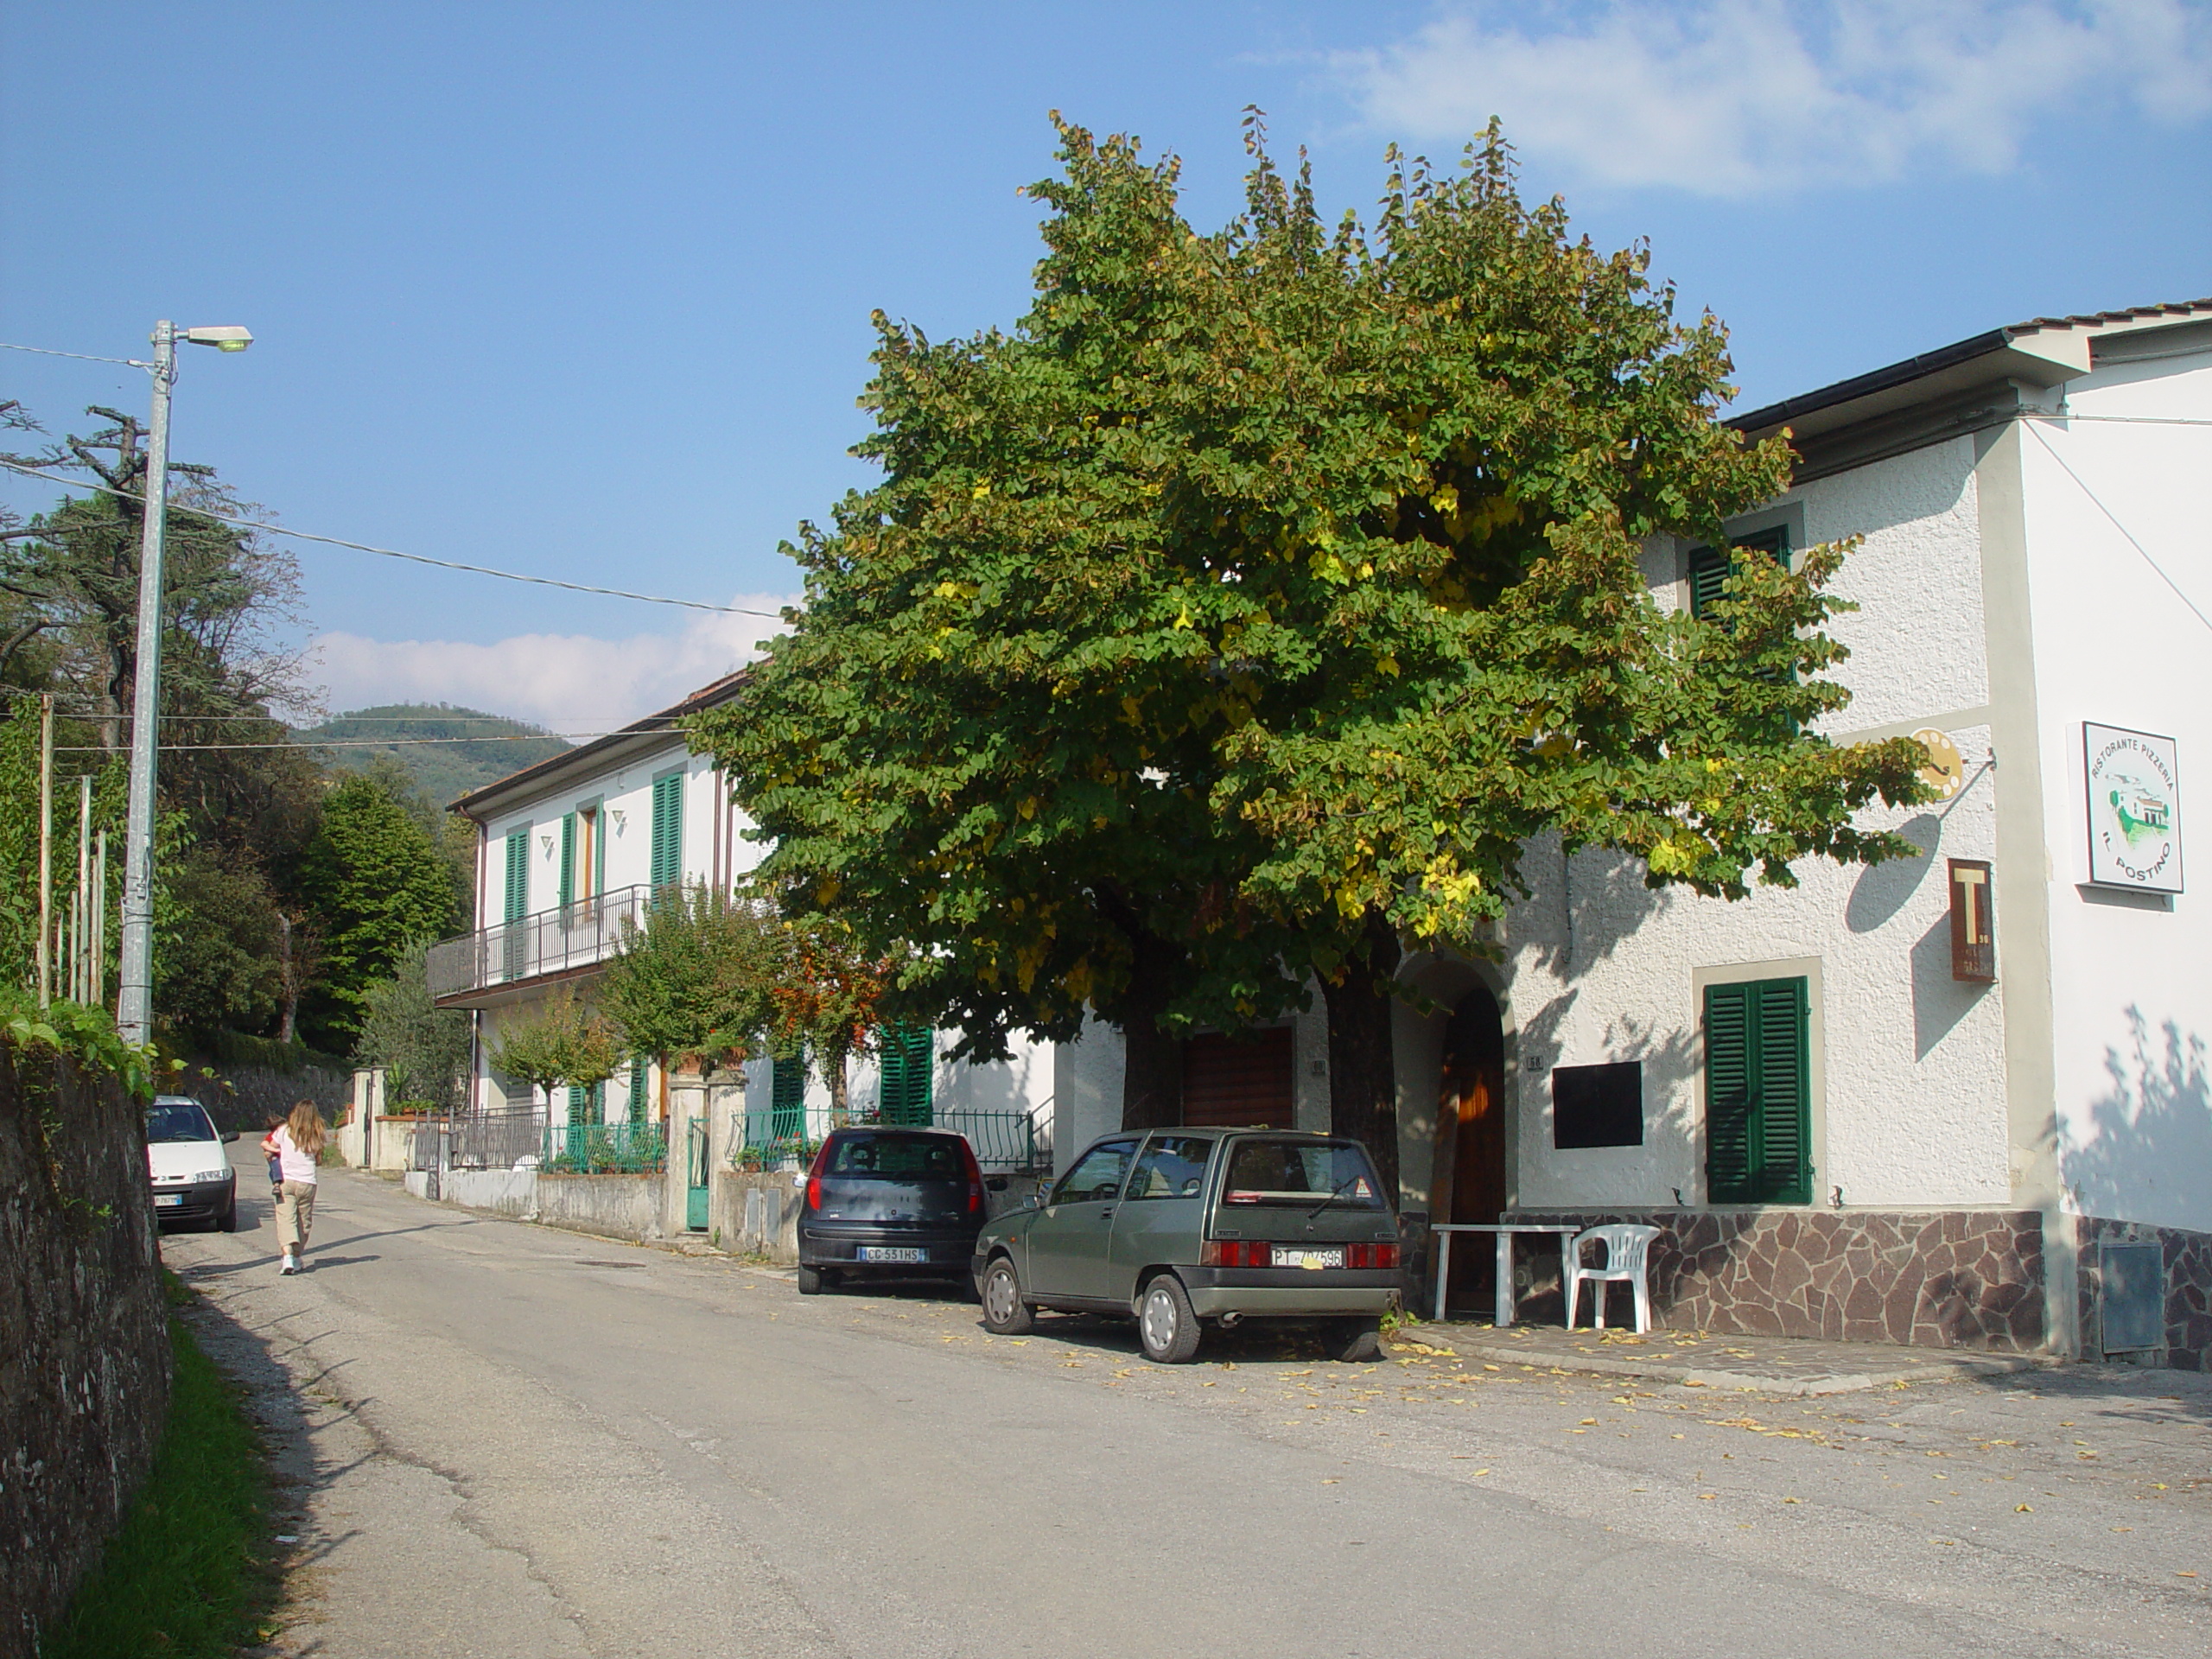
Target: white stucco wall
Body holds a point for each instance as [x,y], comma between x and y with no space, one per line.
[1908,1070]
[2131,974]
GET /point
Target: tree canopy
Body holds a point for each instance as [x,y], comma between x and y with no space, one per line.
[1244,614]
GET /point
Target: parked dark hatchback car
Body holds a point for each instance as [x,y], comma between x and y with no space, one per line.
[1183,1228]
[884,1202]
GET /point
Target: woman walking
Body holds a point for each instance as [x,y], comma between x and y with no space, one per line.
[296,1144]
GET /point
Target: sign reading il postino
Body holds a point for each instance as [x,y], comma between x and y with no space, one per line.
[2134,802]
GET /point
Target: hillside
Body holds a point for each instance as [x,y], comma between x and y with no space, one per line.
[445,770]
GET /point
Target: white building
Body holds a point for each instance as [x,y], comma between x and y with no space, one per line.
[1842,1132]
[569,853]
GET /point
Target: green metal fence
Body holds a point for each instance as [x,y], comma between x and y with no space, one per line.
[768,1136]
[605,1148]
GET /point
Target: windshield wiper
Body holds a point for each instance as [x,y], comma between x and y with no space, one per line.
[1348,1180]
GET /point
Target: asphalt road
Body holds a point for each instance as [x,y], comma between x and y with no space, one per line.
[499,1439]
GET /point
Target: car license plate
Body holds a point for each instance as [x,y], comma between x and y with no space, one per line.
[892,1253]
[168,1200]
[1289,1255]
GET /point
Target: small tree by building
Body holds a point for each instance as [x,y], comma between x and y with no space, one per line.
[422,1048]
[567,1043]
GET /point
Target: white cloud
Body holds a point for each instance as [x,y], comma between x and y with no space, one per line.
[1733,98]
[571,683]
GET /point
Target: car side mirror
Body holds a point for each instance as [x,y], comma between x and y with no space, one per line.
[230,1137]
[1034,1201]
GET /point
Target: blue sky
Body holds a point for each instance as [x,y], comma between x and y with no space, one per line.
[584,290]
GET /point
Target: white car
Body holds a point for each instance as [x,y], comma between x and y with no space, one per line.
[191,1169]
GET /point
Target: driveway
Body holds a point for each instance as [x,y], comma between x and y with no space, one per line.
[504,1440]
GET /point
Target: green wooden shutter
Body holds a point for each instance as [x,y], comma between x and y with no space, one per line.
[904,1095]
[667,830]
[568,859]
[1709,569]
[636,1109]
[1758,1093]
[787,1096]
[518,894]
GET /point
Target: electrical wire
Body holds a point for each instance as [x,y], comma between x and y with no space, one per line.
[82,356]
[394,553]
[2114,517]
[343,743]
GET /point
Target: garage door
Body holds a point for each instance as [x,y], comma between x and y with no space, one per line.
[1239,1082]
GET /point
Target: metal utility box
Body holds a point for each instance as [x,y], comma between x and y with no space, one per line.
[2130,1298]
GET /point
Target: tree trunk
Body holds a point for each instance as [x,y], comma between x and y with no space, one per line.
[288,979]
[1152,1073]
[833,1073]
[1362,1063]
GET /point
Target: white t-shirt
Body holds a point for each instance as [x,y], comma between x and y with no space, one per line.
[292,1164]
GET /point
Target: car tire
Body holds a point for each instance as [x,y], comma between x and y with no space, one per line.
[1355,1342]
[1005,1312]
[810,1280]
[1166,1327]
[228,1221]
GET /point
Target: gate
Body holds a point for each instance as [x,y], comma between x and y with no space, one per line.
[698,1176]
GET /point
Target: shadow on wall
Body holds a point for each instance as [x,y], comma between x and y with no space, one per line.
[2148,1148]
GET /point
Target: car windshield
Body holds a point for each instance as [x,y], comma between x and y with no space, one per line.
[172,1121]
[1301,1172]
[895,1158]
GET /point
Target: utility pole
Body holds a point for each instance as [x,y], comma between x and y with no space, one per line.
[133,1013]
[45,847]
[135,1009]
[81,924]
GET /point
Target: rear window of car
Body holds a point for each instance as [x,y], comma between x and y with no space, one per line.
[179,1121]
[1301,1172]
[895,1158]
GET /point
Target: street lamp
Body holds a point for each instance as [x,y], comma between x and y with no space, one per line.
[135,1001]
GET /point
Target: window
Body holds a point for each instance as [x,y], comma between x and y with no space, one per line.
[581,856]
[1172,1167]
[638,1103]
[169,1122]
[1597,1105]
[1758,1093]
[1309,1173]
[667,830]
[1709,570]
[787,1096]
[865,1156]
[904,1094]
[1096,1175]
[588,1105]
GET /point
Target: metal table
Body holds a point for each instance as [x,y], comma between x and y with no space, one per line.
[1505,1232]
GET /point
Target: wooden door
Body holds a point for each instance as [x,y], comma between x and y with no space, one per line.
[1470,1140]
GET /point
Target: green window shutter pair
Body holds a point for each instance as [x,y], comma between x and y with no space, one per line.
[1710,569]
[667,830]
[1758,1096]
[904,1095]
[568,859]
[787,1096]
[518,894]
[588,1105]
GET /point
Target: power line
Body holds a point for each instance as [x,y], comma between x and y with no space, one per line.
[343,743]
[2097,501]
[82,356]
[394,553]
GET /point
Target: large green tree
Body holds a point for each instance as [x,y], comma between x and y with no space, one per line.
[377,881]
[1243,616]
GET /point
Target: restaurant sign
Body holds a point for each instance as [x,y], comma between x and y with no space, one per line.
[2134,803]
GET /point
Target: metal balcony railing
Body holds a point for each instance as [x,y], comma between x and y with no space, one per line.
[557,941]
[605,1148]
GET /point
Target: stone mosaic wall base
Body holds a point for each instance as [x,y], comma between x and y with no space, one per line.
[2189,1288]
[1938,1279]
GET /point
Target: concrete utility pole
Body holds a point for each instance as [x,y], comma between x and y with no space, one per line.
[134,1014]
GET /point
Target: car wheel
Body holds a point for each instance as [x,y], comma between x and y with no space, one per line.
[810,1280]
[1354,1341]
[1004,1312]
[1165,1325]
[228,1221]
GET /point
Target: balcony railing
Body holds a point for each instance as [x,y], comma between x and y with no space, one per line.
[558,941]
[605,1148]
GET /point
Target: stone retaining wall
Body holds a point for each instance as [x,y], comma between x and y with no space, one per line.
[83,1338]
[1937,1279]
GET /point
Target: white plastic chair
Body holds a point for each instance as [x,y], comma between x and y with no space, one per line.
[1626,1246]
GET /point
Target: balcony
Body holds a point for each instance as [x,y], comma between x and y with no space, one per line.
[502,964]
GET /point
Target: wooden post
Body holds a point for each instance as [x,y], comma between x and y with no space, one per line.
[80,928]
[45,847]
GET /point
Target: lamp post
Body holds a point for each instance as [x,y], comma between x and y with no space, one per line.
[135,1002]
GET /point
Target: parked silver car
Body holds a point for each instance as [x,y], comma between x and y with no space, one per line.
[1180,1228]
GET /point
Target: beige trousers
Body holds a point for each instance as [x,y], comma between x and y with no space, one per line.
[294,1214]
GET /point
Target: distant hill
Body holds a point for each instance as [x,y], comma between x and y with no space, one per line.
[446,771]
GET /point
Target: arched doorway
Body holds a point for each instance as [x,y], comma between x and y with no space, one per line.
[1470,1138]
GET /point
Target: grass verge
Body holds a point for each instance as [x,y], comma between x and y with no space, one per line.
[189,1575]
